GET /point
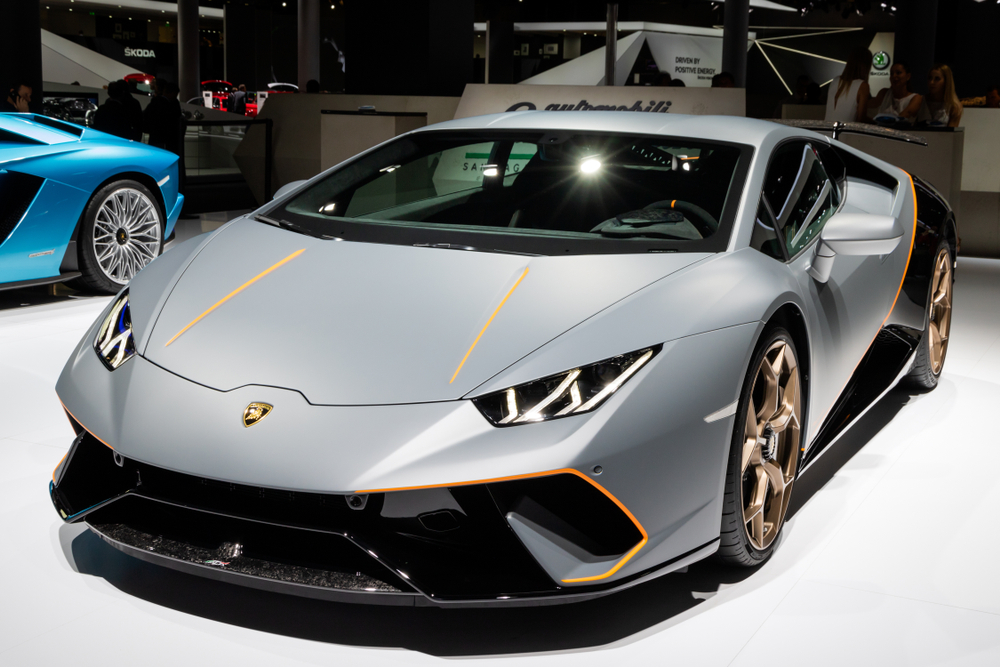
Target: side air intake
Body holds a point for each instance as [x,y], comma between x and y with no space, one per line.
[17,191]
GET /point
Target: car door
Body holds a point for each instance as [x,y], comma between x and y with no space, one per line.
[846,313]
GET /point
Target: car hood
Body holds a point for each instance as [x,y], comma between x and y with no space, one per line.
[368,324]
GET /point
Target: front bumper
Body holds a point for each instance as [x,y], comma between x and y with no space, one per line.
[461,545]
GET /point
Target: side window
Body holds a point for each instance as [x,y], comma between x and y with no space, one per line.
[765,233]
[800,194]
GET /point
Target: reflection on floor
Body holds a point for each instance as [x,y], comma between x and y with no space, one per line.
[889,559]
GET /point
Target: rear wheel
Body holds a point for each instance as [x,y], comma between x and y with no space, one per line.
[121,232]
[933,346]
[764,455]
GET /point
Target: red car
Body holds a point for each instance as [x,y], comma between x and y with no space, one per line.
[220,93]
[140,83]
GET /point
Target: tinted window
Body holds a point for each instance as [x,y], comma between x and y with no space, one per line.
[599,188]
[800,194]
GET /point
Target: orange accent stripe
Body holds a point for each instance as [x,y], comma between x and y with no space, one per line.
[57,466]
[548,473]
[487,326]
[913,239]
[234,293]
[84,427]
[672,203]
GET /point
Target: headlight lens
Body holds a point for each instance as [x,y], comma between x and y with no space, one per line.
[570,393]
[114,343]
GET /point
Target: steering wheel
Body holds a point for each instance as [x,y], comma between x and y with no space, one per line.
[699,217]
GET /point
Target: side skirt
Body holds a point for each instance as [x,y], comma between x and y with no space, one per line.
[887,362]
[61,278]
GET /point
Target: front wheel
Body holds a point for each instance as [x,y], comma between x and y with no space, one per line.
[121,232]
[764,455]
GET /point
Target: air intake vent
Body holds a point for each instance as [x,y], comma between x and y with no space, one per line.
[17,191]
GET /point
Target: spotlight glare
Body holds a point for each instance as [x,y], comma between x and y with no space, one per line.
[590,165]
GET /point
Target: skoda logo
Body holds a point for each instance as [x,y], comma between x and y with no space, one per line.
[881,60]
[256,412]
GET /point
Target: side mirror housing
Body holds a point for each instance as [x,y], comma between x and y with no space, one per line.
[286,188]
[854,234]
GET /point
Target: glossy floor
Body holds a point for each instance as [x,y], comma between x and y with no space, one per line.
[890,557]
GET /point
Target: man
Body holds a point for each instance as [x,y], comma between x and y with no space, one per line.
[238,100]
[162,117]
[18,98]
[112,116]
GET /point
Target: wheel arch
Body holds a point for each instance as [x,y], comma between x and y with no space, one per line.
[790,317]
[139,177]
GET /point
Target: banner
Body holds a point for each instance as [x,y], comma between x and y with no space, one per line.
[693,60]
[480,99]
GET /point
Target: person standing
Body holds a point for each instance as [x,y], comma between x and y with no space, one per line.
[162,117]
[941,106]
[112,117]
[849,93]
[238,100]
[897,100]
[18,98]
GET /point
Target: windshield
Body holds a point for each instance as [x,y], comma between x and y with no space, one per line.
[538,193]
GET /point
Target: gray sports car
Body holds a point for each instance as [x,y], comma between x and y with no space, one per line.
[518,359]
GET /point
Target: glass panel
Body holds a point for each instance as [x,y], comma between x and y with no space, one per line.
[765,236]
[802,202]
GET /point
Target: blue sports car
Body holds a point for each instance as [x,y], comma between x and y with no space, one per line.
[80,205]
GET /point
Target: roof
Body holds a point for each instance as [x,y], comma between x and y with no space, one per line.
[720,128]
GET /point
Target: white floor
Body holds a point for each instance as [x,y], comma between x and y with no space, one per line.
[890,559]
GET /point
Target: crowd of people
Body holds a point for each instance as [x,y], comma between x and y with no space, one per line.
[850,99]
[123,116]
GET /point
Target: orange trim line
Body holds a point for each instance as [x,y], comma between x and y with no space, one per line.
[234,293]
[84,427]
[548,473]
[913,240]
[59,464]
[487,326]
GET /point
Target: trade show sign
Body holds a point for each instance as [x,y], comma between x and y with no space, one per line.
[480,99]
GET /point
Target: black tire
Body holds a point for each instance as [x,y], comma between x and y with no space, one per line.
[923,376]
[138,252]
[736,547]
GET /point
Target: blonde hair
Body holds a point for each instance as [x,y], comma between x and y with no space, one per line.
[858,66]
[948,96]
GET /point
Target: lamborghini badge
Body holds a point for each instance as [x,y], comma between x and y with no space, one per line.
[255,412]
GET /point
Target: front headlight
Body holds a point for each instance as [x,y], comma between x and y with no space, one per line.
[114,343]
[570,393]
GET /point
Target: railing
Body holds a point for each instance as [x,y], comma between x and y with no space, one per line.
[208,147]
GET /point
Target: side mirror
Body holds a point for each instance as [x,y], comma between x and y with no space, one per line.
[854,234]
[286,188]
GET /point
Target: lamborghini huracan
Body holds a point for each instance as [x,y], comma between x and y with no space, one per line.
[80,206]
[519,359]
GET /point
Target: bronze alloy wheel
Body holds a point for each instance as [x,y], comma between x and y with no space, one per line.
[939,324]
[771,441]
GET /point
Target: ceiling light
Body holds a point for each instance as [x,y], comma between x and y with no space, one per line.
[590,165]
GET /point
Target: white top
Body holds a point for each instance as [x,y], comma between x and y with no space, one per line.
[893,107]
[845,109]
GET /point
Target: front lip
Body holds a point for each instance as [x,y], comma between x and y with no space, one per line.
[148,512]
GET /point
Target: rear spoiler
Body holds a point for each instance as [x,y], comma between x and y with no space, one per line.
[837,127]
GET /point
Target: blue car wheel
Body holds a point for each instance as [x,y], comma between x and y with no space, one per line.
[121,232]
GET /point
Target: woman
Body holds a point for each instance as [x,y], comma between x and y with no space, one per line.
[941,106]
[849,93]
[898,100]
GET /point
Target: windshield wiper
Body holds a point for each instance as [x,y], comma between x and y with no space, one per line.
[637,233]
[453,246]
[295,227]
